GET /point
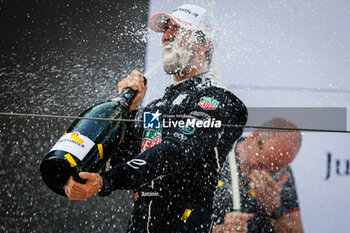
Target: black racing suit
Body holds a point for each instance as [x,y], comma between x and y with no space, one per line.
[176,170]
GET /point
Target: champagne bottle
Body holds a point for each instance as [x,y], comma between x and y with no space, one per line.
[87,144]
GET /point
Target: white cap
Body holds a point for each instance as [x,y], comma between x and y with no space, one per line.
[187,16]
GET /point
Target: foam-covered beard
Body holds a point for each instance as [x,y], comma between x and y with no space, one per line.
[175,58]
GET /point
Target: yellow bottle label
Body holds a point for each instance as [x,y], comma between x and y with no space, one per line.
[100,150]
[186,215]
[70,160]
[77,139]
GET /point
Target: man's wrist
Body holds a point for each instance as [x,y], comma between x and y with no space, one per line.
[106,188]
[277,212]
[269,209]
[100,183]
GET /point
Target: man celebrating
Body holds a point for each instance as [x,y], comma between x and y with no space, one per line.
[174,170]
[267,190]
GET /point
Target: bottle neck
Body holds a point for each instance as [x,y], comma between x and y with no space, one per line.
[127,96]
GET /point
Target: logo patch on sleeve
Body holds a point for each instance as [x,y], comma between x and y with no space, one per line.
[208,103]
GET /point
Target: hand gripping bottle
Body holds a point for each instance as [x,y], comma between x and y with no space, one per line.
[87,144]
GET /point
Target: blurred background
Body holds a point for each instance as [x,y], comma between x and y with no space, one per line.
[288,59]
[60,57]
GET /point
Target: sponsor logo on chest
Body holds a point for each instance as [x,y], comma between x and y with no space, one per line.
[208,103]
[150,138]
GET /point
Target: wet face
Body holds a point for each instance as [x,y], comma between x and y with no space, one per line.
[270,151]
[249,153]
[178,49]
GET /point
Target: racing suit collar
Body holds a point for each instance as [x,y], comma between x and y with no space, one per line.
[188,83]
